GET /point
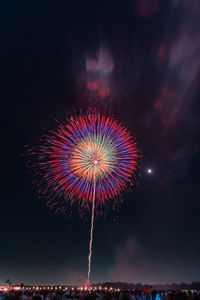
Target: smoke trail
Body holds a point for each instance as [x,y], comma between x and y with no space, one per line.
[91,233]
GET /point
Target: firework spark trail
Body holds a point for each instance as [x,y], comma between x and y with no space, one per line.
[91,233]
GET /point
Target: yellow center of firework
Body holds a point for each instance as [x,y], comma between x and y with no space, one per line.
[93,158]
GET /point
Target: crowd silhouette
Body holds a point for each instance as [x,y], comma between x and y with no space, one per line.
[100,295]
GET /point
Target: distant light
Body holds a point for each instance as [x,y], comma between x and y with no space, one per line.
[149,171]
[95,162]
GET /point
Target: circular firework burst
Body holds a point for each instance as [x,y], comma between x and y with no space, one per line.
[86,150]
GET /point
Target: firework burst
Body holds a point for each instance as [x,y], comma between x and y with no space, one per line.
[88,160]
[88,148]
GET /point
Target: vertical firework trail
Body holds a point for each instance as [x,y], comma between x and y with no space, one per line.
[91,232]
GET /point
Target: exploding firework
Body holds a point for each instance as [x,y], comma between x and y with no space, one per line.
[88,149]
[89,160]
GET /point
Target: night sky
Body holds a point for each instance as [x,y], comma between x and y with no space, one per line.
[139,60]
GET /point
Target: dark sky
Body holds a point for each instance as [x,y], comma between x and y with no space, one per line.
[140,59]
